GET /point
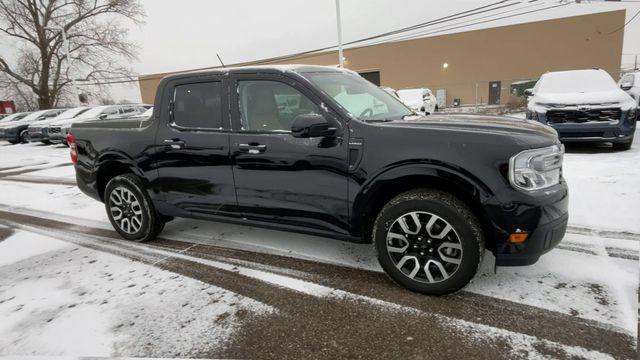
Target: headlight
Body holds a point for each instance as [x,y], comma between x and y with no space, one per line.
[631,115]
[536,169]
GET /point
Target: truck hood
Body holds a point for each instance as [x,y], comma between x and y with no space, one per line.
[615,97]
[523,131]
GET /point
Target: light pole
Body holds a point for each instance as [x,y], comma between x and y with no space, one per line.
[65,43]
[340,55]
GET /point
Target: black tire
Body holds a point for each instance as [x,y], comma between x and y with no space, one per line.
[13,142]
[151,223]
[453,212]
[24,136]
[622,146]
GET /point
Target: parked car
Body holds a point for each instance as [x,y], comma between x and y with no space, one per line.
[290,147]
[631,84]
[59,130]
[421,100]
[584,106]
[18,131]
[40,131]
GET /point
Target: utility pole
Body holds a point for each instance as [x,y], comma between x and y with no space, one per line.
[65,42]
[340,53]
[635,64]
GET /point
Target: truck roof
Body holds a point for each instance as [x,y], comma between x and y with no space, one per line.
[299,68]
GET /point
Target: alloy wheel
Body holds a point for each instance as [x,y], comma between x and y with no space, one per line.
[125,210]
[424,247]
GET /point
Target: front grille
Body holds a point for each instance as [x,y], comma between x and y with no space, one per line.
[583,116]
[54,130]
[582,134]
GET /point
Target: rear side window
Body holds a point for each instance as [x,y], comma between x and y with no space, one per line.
[198,105]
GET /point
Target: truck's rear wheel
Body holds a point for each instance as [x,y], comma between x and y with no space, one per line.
[428,241]
[130,209]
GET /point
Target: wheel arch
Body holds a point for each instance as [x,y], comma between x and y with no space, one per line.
[112,164]
[387,185]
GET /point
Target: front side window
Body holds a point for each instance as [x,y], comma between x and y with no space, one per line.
[198,105]
[267,105]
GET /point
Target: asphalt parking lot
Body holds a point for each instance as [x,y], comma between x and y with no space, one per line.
[217,290]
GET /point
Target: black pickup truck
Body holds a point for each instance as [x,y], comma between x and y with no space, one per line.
[321,150]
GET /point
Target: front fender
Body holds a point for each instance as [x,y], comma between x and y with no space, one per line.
[428,172]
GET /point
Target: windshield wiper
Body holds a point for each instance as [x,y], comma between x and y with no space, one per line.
[380,120]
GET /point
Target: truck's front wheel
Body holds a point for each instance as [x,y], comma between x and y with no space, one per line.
[130,209]
[428,241]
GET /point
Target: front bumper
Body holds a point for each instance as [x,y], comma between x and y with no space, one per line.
[541,214]
[621,130]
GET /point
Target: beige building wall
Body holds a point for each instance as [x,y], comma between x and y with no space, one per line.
[506,54]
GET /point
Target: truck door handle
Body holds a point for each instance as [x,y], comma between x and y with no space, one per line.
[175,143]
[252,148]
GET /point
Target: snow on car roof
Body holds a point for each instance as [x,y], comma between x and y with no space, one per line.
[576,81]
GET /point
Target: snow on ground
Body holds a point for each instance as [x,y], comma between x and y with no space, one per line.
[580,278]
[64,172]
[65,300]
[30,156]
[604,187]
[25,245]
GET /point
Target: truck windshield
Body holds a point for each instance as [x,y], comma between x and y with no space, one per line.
[362,99]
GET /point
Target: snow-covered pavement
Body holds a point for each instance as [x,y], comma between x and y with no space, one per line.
[589,284]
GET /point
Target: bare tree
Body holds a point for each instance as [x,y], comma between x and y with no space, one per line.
[97,40]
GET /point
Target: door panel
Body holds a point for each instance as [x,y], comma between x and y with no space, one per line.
[193,151]
[280,178]
[495,87]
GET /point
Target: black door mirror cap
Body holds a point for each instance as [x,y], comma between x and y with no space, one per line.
[528,92]
[311,125]
[102,116]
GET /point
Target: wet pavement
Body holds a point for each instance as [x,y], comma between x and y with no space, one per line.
[367,316]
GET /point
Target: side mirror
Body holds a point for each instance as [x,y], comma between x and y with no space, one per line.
[102,116]
[311,125]
[626,86]
[528,92]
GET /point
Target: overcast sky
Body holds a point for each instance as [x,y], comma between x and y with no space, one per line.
[186,34]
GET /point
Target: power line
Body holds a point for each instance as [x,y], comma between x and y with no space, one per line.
[419,34]
[480,22]
[478,10]
[625,24]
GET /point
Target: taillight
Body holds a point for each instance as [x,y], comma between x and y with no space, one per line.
[71,141]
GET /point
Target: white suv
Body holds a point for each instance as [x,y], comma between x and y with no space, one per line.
[419,100]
